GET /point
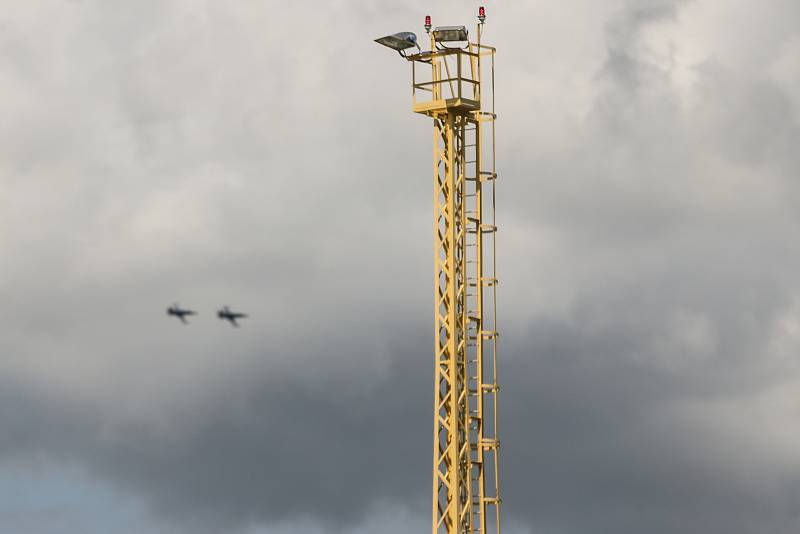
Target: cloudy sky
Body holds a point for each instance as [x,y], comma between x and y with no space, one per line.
[263,154]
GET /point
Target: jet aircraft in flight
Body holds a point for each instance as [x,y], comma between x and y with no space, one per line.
[228,315]
[180,313]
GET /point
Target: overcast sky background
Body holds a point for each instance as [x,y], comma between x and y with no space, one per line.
[264,155]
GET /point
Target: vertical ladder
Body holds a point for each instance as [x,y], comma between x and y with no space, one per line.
[480,179]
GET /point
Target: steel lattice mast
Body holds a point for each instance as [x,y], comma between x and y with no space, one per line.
[453,83]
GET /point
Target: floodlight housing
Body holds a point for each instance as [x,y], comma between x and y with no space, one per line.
[399,41]
[445,34]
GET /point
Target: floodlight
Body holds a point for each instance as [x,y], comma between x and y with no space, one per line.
[399,41]
[444,34]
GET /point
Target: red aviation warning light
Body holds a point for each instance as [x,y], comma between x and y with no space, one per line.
[481,14]
[428,23]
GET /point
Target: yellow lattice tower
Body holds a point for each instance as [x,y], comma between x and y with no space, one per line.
[453,83]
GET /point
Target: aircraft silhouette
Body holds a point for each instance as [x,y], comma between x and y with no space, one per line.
[228,315]
[180,313]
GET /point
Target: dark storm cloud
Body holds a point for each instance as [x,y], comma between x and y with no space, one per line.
[277,451]
[649,302]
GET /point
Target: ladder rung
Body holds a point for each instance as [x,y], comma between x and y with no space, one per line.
[488,281]
[485,229]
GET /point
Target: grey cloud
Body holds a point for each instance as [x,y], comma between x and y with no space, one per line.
[649,305]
